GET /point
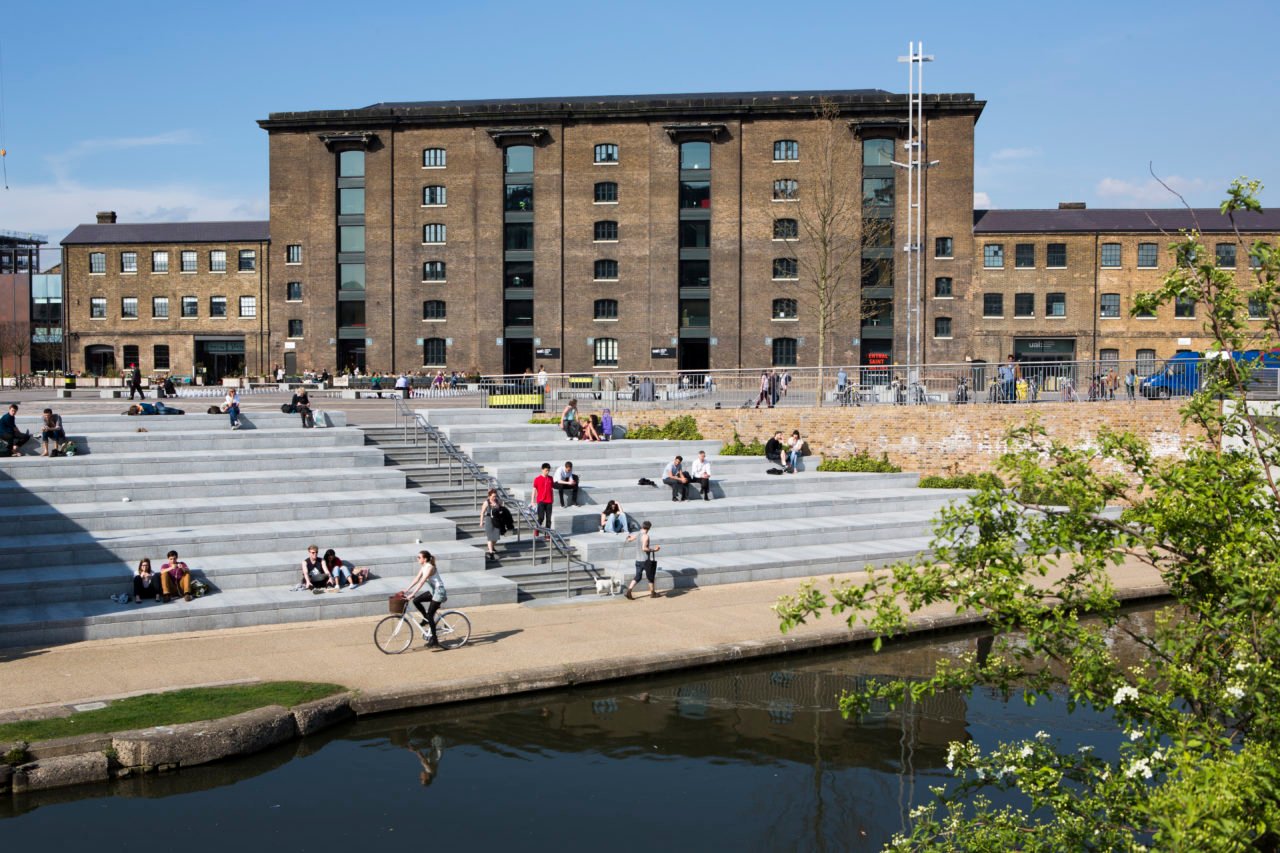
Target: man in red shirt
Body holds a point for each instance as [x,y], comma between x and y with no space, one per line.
[543,489]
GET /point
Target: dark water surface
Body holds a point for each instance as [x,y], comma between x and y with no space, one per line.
[747,757]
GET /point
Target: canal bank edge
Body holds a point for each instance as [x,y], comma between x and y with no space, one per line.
[91,758]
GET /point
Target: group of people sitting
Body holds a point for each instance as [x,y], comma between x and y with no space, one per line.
[786,452]
[591,427]
[328,572]
[53,438]
[675,476]
[173,580]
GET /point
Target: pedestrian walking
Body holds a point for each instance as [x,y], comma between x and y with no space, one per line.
[646,560]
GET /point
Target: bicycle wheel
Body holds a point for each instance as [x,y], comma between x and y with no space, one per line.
[393,635]
[453,629]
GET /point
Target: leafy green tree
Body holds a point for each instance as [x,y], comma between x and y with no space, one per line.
[1200,768]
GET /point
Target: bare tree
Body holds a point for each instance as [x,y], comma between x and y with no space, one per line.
[15,341]
[46,350]
[831,232]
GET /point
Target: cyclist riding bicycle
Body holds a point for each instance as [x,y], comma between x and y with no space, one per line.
[427,580]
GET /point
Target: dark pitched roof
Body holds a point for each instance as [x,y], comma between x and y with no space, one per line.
[1131,220]
[170,232]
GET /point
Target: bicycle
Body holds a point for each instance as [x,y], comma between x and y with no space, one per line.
[394,634]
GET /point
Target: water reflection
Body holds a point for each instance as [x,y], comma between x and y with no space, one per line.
[755,756]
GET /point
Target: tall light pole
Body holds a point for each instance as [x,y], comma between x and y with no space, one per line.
[915,167]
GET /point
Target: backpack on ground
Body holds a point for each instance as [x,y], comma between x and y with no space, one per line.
[287,409]
[214,410]
[774,471]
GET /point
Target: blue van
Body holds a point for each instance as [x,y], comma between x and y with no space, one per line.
[1180,375]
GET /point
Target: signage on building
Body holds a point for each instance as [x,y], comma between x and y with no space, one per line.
[662,352]
[547,352]
[290,345]
[877,359]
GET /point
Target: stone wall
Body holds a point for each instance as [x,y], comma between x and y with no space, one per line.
[938,439]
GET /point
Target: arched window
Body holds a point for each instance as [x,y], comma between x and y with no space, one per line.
[786,149]
[785,229]
[606,309]
[606,352]
[784,309]
[784,352]
[434,232]
[606,270]
[433,271]
[518,158]
[786,189]
[695,156]
[433,309]
[606,192]
[434,196]
[433,352]
[606,231]
[785,269]
[607,152]
[877,152]
[433,158]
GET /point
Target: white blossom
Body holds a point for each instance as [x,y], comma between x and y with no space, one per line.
[1026,750]
[1125,693]
[1042,735]
[1235,691]
[1139,767]
[1135,734]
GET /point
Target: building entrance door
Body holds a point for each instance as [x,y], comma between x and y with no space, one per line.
[291,362]
[219,358]
[694,356]
[351,355]
[99,359]
[517,356]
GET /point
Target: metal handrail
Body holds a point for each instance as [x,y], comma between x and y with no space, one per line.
[417,427]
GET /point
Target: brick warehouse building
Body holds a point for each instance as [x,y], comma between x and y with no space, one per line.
[636,233]
[181,297]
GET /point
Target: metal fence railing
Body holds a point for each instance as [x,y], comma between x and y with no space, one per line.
[1024,382]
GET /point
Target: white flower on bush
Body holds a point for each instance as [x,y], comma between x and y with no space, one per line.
[1139,767]
[1124,694]
[1135,734]
[1235,691]
[1026,751]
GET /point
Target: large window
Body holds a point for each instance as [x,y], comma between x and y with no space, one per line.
[433,309]
[190,307]
[993,305]
[1024,305]
[942,327]
[695,273]
[518,158]
[1225,255]
[784,309]
[351,164]
[1148,255]
[293,291]
[695,233]
[695,194]
[248,306]
[351,277]
[877,152]
[293,253]
[188,261]
[1109,305]
[97,263]
[784,352]
[606,309]
[786,229]
[129,308]
[217,261]
[433,158]
[695,156]
[130,353]
[160,357]
[433,271]
[159,262]
[351,201]
[1257,308]
[517,312]
[1146,361]
[606,270]
[129,262]
[248,261]
[1055,256]
[606,192]
[1024,256]
[97,307]
[518,198]
[943,247]
[217,306]
[351,315]
[786,189]
[786,149]
[1055,304]
[434,196]
[517,274]
[434,352]
[350,238]
[295,328]
[606,352]
[1111,255]
[942,287]
[160,308]
[606,231]
[785,269]
[434,232]
[517,236]
[606,152]
[877,192]
[1184,307]
[993,256]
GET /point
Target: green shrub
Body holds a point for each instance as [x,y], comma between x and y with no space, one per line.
[536,420]
[962,481]
[17,754]
[737,448]
[862,463]
[683,428]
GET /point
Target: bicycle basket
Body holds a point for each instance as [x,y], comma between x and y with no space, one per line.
[396,603]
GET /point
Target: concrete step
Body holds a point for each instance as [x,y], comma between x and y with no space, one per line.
[96,423]
[65,622]
[628,491]
[635,467]
[475,434]
[582,451]
[226,441]
[181,464]
[703,539]
[443,417]
[220,484]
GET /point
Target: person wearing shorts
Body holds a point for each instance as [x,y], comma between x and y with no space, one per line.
[646,560]
[427,586]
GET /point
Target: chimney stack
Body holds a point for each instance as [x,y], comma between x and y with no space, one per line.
[1071,205]
[106,217]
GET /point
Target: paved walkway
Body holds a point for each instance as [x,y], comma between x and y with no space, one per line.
[509,643]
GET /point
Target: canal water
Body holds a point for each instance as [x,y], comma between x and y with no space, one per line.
[745,757]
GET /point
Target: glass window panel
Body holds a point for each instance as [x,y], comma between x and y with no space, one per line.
[1184,307]
[295,328]
[877,192]
[695,313]
[1148,255]
[695,273]
[606,191]
[351,314]
[786,229]
[1055,304]
[1024,255]
[1225,255]
[351,164]
[786,189]
[517,312]
[351,201]
[993,305]
[435,195]
[188,261]
[1111,255]
[218,261]
[877,233]
[433,271]
[98,307]
[785,268]
[433,158]
[1110,305]
[160,307]
[1024,305]
[350,238]
[434,232]
[877,272]
[129,308]
[606,269]
[434,309]
[695,234]
[877,152]
[518,236]
[434,352]
[518,158]
[695,194]
[606,352]
[784,352]
[606,309]
[293,289]
[248,306]
[1056,255]
[607,153]
[248,260]
[606,229]
[519,197]
[942,327]
[942,286]
[128,262]
[993,255]
[159,261]
[786,149]
[160,356]
[217,306]
[190,306]
[518,274]
[943,247]
[695,155]
[784,309]
[350,277]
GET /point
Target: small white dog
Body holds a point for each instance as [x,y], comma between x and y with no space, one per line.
[608,586]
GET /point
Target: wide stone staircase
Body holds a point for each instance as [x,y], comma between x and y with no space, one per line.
[240,507]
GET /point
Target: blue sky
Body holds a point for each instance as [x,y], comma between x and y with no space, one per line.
[149,108]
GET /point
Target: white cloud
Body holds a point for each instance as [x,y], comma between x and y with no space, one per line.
[1150,193]
[981,201]
[61,162]
[1006,154]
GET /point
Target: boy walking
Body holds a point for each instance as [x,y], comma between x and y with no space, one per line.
[543,487]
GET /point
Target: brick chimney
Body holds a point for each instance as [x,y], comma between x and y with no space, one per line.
[1071,205]
[106,217]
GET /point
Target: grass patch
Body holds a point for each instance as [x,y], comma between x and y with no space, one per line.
[683,428]
[962,481]
[166,709]
[737,448]
[544,421]
[860,463]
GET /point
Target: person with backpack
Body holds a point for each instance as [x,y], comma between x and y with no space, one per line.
[646,560]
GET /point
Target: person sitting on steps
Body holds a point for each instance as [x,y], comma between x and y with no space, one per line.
[773,449]
[175,578]
[701,471]
[566,481]
[301,405]
[315,573]
[52,432]
[613,519]
[12,437]
[146,583]
[677,478]
[569,421]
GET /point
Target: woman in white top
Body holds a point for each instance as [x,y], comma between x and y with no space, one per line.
[231,405]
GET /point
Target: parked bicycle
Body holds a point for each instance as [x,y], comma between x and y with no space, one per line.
[394,634]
